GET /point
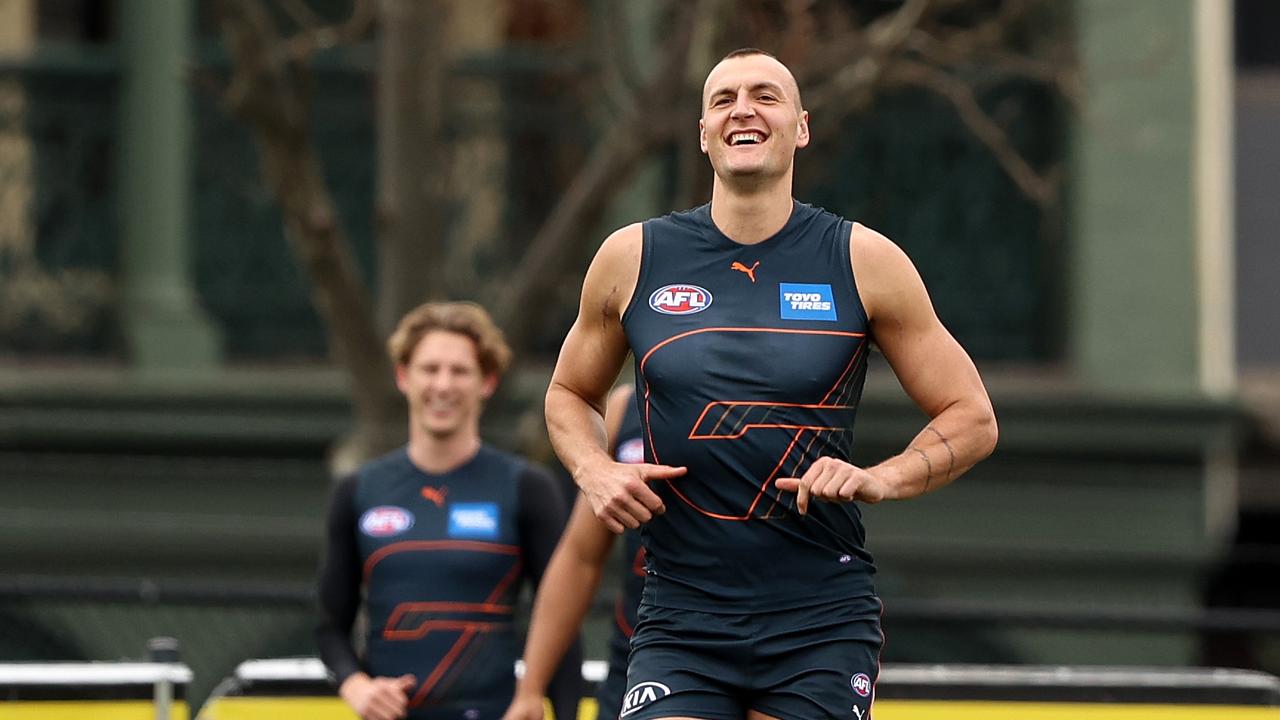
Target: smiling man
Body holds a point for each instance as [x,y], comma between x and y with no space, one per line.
[750,320]
[438,536]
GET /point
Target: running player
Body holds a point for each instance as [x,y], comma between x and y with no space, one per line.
[570,582]
[439,535]
[750,320]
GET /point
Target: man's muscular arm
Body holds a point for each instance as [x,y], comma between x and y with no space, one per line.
[934,371]
[589,361]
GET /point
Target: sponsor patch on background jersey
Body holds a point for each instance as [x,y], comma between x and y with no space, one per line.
[680,299]
[806,301]
[473,520]
[385,521]
[631,451]
[642,694]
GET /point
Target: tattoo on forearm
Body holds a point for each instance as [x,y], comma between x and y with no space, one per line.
[951,466]
[928,466]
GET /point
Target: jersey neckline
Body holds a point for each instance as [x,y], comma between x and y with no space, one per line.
[716,236]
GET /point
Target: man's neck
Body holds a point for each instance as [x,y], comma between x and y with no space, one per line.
[438,455]
[753,216]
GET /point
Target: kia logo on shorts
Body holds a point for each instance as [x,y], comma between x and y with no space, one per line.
[861,684]
[642,694]
[680,299]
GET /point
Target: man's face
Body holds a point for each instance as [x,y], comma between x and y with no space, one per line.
[444,384]
[751,118]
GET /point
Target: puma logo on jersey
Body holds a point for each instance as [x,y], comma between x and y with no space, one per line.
[750,271]
[435,495]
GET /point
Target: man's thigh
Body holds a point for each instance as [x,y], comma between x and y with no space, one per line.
[818,663]
[687,664]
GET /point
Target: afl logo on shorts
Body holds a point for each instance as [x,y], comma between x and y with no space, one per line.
[385,521]
[861,684]
[641,695]
[680,299]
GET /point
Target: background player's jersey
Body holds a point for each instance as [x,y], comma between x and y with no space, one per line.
[750,361]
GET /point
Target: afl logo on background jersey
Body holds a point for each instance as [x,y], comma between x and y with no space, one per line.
[642,694]
[631,451]
[385,520]
[680,299]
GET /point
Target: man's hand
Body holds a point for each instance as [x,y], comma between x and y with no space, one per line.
[378,698]
[619,492]
[524,707]
[835,481]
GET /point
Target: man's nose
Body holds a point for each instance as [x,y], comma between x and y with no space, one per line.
[742,107]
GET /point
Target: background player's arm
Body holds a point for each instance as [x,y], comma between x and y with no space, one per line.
[542,521]
[567,587]
[590,358]
[932,367]
[338,592]
[563,598]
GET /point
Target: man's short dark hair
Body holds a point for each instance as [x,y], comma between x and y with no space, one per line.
[744,51]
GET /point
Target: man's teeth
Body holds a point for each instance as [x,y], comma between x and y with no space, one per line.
[743,138]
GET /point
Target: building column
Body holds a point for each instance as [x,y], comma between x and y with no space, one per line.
[165,329]
[1150,273]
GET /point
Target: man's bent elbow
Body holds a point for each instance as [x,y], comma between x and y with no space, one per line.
[988,433]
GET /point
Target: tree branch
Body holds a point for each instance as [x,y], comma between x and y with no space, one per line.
[1041,190]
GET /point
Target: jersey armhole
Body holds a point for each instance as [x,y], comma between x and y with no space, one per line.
[846,255]
[646,247]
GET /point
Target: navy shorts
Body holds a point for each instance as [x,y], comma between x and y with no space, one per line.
[808,663]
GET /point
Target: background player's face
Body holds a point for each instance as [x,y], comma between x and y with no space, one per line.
[751,118]
[444,385]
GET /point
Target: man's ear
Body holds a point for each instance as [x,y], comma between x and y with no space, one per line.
[802,130]
[490,385]
[702,136]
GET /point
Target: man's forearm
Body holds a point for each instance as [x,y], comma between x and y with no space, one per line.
[954,441]
[576,429]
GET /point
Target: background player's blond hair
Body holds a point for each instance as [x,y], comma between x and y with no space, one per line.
[464,318]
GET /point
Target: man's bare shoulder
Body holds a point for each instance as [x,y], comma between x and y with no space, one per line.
[612,277]
[623,247]
[881,268]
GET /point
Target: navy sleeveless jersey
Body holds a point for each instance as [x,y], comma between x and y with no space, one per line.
[750,361]
[442,565]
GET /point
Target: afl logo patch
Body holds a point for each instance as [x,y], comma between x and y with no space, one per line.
[680,299]
[861,684]
[642,694]
[385,521]
[631,451]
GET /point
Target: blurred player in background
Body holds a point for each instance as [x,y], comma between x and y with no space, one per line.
[439,536]
[571,580]
[750,320]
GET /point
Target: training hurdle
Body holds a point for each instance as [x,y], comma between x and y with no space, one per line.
[94,691]
[300,688]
